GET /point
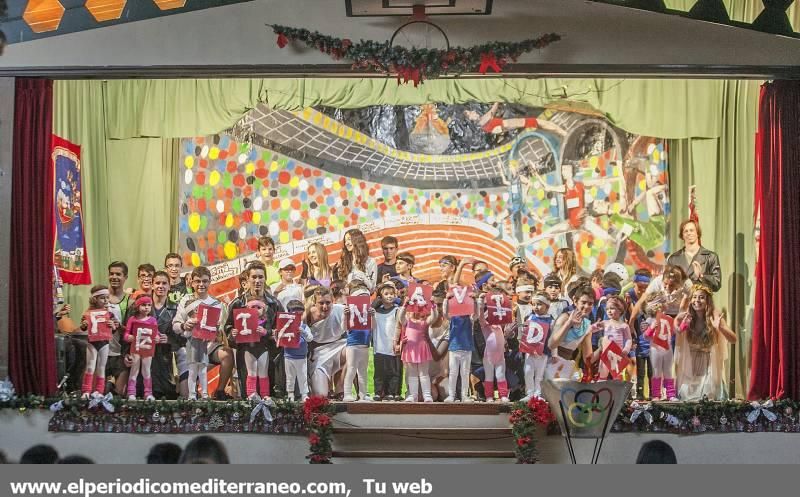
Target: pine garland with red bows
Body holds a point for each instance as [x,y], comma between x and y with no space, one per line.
[412,64]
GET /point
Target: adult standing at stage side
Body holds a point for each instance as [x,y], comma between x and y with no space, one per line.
[700,264]
[327,356]
[356,264]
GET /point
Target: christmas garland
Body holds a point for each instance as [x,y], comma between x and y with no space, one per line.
[318,415]
[414,64]
[682,418]
[525,418]
[117,415]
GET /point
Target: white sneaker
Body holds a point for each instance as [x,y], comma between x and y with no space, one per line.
[428,399]
[673,399]
[366,398]
[192,396]
[468,399]
[503,399]
[131,397]
[489,400]
[150,398]
[410,398]
[205,396]
[449,399]
[291,398]
[86,396]
[348,398]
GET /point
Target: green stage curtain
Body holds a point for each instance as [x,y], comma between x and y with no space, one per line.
[129,187]
[128,127]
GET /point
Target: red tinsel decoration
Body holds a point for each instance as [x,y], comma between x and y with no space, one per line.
[282,40]
[489,61]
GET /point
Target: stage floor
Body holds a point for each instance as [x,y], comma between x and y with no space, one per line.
[403,433]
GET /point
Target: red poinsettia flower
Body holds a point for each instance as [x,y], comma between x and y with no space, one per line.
[323,420]
[313,439]
[523,441]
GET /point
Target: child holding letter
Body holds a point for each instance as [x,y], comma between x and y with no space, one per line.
[135,328]
[198,315]
[416,352]
[99,323]
[256,355]
[615,329]
[359,323]
[295,359]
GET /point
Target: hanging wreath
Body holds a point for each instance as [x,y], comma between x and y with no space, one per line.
[414,64]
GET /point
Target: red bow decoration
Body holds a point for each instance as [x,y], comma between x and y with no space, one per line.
[408,73]
[282,40]
[489,61]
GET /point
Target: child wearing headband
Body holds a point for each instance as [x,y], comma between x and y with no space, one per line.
[97,350]
[144,339]
[256,355]
[636,322]
[536,331]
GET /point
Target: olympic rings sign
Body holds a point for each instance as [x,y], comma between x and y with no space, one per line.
[586,408]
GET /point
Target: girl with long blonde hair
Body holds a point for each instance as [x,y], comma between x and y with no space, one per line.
[565,266]
[316,269]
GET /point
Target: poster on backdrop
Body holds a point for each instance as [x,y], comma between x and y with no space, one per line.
[69,242]
[471,180]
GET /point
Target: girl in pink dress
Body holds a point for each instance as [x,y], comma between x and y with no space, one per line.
[416,352]
[614,330]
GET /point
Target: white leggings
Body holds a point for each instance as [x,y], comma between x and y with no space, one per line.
[492,371]
[417,376]
[198,370]
[534,373]
[256,366]
[459,365]
[96,359]
[296,370]
[357,358]
[144,363]
[662,362]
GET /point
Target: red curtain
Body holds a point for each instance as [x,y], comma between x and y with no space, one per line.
[32,361]
[776,322]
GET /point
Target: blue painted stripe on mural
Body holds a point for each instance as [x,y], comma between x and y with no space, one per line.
[77,18]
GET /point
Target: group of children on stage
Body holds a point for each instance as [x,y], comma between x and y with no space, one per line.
[453,339]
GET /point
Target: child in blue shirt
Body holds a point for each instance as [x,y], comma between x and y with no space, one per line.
[357,353]
[295,360]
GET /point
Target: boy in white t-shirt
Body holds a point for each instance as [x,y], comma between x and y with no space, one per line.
[388,367]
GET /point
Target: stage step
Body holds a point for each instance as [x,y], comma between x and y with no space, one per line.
[478,433]
[424,454]
[418,432]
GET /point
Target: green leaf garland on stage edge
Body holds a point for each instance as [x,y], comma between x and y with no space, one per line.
[414,64]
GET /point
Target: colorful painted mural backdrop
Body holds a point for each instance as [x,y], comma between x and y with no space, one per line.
[564,180]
